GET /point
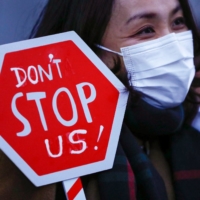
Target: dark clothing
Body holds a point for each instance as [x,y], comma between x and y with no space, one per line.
[134,177]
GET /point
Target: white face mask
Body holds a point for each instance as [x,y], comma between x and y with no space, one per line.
[161,69]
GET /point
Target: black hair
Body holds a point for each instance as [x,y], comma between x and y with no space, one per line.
[88,18]
[192,100]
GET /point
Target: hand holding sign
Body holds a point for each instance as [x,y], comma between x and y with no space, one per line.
[61,108]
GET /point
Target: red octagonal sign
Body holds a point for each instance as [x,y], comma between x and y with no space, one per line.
[61,108]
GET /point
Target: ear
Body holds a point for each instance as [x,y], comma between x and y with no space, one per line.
[107,57]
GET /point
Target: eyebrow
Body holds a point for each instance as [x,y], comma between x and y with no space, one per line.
[140,16]
[150,15]
[176,9]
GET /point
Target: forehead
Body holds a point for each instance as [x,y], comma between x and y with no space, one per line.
[123,9]
[143,4]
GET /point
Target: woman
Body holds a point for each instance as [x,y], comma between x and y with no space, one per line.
[152,122]
[151,162]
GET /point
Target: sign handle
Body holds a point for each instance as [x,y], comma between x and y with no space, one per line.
[73,189]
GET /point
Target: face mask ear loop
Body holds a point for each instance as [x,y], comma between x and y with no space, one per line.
[109,50]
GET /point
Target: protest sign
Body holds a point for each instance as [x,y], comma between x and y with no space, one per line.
[61,108]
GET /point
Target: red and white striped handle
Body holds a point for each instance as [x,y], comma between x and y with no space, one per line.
[74,189]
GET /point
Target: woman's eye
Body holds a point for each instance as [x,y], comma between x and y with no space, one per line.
[144,31]
[179,23]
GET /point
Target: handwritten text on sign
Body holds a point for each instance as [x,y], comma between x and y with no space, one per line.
[36,74]
[56,104]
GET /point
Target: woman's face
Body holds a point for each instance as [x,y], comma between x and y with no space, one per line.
[136,21]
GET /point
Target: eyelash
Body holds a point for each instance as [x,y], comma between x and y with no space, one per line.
[141,32]
[145,32]
[181,24]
